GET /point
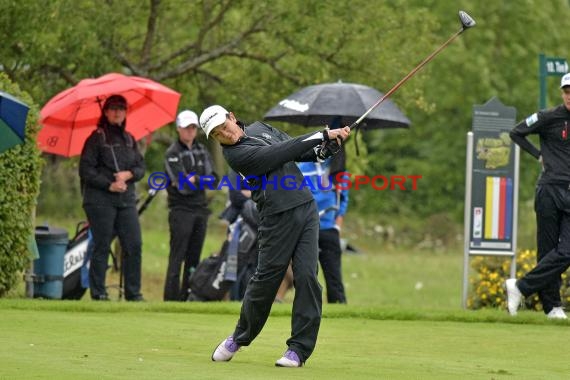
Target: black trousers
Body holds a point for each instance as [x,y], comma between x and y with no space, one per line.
[330,259]
[552,205]
[187,235]
[547,200]
[290,235]
[104,222]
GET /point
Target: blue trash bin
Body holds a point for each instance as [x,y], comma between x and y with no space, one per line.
[48,269]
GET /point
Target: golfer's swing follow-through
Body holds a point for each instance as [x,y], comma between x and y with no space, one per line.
[289,222]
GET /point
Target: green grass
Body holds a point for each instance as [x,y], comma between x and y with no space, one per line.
[85,340]
[381,275]
[403,321]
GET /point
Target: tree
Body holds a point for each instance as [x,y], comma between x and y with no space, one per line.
[247,55]
[498,57]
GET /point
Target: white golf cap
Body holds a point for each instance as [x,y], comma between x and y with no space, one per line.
[212,117]
[565,81]
[186,118]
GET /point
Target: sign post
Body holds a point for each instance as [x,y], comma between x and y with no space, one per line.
[491,186]
[549,66]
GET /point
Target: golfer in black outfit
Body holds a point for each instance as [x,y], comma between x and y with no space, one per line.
[552,205]
[109,167]
[288,229]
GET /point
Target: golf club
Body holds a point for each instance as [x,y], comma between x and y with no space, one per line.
[466,23]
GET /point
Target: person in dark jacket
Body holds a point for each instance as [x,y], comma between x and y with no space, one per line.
[187,163]
[288,227]
[110,165]
[552,205]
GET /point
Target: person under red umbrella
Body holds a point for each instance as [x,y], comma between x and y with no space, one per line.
[70,116]
[110,165]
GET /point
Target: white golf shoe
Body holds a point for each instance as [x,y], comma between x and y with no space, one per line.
[289,359]
[225,350]
[514,296]
[556,313]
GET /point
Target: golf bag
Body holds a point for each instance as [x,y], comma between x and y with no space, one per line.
[75,263]
[233,266]
[207,281]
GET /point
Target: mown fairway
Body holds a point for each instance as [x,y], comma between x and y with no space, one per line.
[79,340]
[403,321]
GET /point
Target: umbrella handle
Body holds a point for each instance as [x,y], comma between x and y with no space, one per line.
[115,159]
[356,141]
[100,102]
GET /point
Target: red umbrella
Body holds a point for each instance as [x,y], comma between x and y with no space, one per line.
[70,116]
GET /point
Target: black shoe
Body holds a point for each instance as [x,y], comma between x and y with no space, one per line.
[136,299]
[102,297]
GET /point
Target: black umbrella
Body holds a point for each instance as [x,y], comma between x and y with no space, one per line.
[320,104]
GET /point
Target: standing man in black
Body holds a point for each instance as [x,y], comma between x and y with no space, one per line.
[189,166]
[288,228]
[552,205]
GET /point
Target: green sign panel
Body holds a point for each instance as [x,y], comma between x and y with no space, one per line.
[549,66]
[555,66]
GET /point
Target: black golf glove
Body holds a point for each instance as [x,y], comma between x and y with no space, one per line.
[328,149]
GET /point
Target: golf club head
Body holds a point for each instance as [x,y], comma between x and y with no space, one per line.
[466,20]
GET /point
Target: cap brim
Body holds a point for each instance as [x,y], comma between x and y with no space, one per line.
[187,125]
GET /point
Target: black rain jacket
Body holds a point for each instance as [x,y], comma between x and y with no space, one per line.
[181,160]
[553,128]
[269,155]
[97,166]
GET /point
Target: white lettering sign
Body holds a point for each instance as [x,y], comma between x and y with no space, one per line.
[294,105]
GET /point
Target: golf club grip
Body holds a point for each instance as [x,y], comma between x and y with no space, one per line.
[151,194]
[404,79]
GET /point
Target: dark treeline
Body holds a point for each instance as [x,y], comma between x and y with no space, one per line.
[248,54]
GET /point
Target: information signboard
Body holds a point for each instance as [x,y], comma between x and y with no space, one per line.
[491,186]
[493,178]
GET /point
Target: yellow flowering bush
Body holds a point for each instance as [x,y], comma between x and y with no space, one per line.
[490,272]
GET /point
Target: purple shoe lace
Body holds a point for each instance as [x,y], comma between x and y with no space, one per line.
[292,355]
[231,346]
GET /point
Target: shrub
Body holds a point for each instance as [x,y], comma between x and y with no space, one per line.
[490,274]
[19,187]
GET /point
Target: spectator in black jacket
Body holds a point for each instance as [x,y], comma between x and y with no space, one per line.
[189,166]
[552,205]
[110,165]
[288,227]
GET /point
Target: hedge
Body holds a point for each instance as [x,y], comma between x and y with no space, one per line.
[20,169]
